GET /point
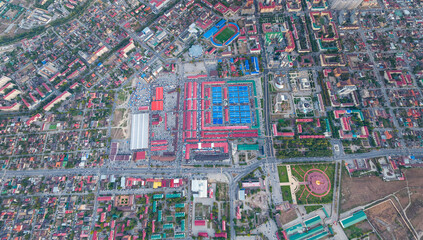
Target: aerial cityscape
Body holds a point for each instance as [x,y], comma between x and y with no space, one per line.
[211,119]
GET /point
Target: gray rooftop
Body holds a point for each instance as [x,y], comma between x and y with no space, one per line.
[139,131]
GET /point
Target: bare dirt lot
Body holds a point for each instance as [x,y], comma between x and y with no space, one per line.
[258,200]
[117,133]
[22,2]
[288,216]
[120,127]
[415,210]
[403,197]
[117,117]
[361,191]
[221,191]
[388,223]
[414,177]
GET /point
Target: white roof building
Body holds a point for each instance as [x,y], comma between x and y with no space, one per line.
[4,80]
[139,131]
[199,188]
[241,195]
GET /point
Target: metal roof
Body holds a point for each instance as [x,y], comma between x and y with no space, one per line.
[355,218]
[139,131]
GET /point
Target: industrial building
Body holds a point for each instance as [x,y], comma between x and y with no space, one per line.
[139,131]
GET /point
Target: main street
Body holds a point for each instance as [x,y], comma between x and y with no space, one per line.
[170,172]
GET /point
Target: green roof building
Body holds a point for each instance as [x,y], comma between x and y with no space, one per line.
[168,226]
[183,225]
[319,236]
[248,147]
[180,205]
[158,196]
[294,229]
[180,214]
[312,221]
[156,236]
[306,235]
[355,218]
[171,195]
[179,235]
[154,206]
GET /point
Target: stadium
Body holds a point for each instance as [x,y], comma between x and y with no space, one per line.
[223,33]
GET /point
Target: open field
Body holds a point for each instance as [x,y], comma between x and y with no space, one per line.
[360,191]
[117,117]
[117,133]
[387,221]
[358,230]
[364,190]
[402,197]
[414,177]
[415,210]
[225,35]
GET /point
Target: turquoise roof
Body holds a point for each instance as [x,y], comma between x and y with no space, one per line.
[158,196]
[168,226]
[355,218]
[156,236]
[294,229]
[305,235]
[180,214]
[319,236]
[180,205]
[174,195]
[179,235]
[313,221]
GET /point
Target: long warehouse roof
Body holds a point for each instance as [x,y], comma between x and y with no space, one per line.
[139,131]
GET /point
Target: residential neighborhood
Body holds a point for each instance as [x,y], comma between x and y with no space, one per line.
[211,119]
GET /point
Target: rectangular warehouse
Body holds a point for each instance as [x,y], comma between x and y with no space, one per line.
[139,131]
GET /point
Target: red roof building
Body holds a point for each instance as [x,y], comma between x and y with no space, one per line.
[139,156]
[200,223]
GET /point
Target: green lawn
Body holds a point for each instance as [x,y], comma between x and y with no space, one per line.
[354,231]
[283,174]
[310,209]
[286,193]
[225,35]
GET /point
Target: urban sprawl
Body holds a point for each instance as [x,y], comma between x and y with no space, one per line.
[211,119]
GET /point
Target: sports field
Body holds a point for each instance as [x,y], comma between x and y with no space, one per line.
[225,35]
